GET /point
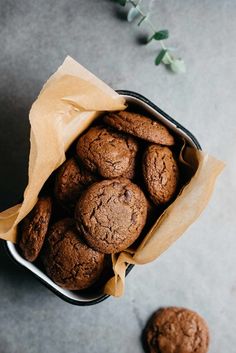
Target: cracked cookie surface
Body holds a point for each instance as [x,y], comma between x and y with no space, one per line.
[131,171]
[34,228]
[107,152]
[140,126]
[161,173]
[68,261]
[111,214]
[176,330]
[72,179]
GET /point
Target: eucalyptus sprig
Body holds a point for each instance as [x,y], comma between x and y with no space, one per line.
[164,55]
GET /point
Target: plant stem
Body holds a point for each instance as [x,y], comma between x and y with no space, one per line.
[145,18]
[135,4]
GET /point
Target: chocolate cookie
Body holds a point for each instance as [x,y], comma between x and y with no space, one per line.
[68,261]
[106,152]
[34,228]
[71,180]
[131,171]
[161,173]
[140,126]
[176,330]
[111,214]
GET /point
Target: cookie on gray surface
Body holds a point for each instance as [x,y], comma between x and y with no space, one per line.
[111,214]
[161,173]
[34,228]
[68,261]
[176,330]
[140,126]
[72,178]
[107,152]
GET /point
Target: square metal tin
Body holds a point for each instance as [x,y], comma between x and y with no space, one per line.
[86,297]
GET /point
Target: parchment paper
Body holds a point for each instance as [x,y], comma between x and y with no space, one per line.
[68,103]
[175,219]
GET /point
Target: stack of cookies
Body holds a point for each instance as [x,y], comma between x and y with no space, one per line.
[120,171]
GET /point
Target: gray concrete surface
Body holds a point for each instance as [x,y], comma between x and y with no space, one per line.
[199,271]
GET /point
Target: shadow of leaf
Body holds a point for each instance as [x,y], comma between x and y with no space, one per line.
[120,13]
[142,38]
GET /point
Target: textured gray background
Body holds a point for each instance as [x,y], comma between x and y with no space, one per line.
[199,271]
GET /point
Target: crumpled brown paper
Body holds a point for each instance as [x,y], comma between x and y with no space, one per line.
[174,220]
[68,103]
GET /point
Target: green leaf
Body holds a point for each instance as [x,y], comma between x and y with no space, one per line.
[160,35]
[178,66]
[164,34]
[133,13]
[143,19]
[167,59]
[160,56]
[121,2]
